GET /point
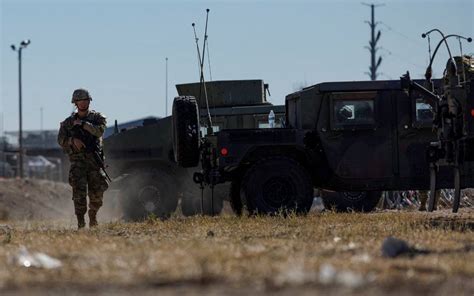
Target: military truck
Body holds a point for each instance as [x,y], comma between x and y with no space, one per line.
[141,161]
[350,139]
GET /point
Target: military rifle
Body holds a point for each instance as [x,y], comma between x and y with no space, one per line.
[92,146]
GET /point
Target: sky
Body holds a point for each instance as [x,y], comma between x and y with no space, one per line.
[117,49]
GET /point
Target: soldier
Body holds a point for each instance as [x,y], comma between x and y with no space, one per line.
[80,136]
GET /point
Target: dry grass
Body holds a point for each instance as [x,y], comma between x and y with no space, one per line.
[250,255]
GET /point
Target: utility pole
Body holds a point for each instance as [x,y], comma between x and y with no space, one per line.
[373,44]
[22,45]
[166,94]
[41,128]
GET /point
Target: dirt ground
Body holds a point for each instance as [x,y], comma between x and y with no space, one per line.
[36,200]
[323,252]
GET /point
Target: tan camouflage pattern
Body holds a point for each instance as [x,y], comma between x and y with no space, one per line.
[85,176]
[80,94]
[96,124]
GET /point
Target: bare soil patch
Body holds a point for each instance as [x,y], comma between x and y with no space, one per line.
[34,200]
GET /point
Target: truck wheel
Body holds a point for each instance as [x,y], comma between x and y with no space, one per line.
[277,185]
[151,194]
[364,201]
[191,203]
[186,131]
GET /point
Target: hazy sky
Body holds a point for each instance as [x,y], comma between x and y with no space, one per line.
[117,49]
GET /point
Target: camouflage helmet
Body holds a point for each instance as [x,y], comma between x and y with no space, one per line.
[79,95]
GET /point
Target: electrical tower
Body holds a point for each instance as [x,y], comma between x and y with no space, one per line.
[373,44]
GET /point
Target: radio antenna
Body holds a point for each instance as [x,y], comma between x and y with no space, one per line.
[202,81]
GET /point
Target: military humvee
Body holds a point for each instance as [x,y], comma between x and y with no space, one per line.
[352,139]
[141,161]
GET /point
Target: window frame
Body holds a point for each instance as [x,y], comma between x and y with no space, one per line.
[414,96]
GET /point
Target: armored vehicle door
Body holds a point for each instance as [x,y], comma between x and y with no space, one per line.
[415,133]
[358,139]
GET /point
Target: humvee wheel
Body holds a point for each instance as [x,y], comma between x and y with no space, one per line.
[457,189]
[364,201]
[191,203]
[277,185]
[432,198]
[186,131]
[149,194]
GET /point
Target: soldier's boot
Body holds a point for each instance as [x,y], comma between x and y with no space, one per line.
[81,223]
[92,219]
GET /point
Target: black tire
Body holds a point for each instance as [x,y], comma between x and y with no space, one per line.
[191,203]
[149,194]
[277,185]
[364,201]
[186,131]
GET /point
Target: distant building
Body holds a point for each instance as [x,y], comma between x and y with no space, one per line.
[44,157]
[129,124]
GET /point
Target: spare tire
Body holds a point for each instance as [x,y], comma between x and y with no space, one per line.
[364,201]
[186,131]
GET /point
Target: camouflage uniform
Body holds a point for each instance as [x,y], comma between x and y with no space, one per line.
[85,176]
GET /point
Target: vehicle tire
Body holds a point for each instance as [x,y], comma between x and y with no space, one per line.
[186,131]
[149,194]
[277,185]
[191,203]
[364,201]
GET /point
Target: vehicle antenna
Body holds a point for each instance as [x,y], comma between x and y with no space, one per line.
[209,60]
[197,48]
[429,48]
[429,70]
[453,63]
[462,57]
[202,82]
[202,86]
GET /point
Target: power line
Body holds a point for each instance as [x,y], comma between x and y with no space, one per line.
[389,28]
[402,59]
